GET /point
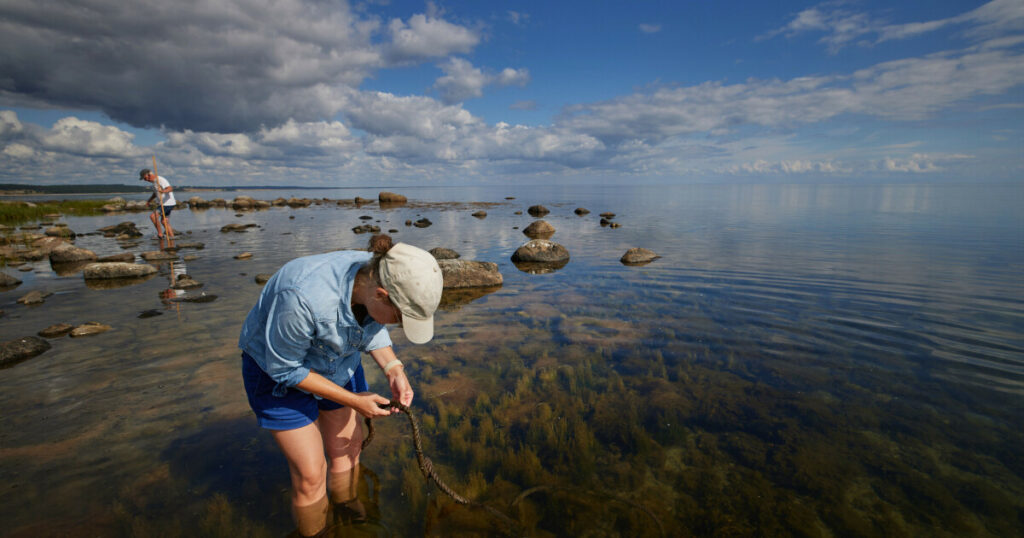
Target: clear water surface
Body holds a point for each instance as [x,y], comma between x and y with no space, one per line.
[813,360]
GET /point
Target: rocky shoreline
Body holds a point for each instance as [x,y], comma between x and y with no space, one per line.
[464,280]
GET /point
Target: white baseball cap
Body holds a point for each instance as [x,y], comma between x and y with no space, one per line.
[414,283]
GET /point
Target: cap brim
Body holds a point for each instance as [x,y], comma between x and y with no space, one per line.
[418,331]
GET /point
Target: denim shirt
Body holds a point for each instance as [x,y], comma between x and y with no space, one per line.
[303,321]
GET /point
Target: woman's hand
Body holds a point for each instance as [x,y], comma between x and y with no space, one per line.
[366,404]
[401,390]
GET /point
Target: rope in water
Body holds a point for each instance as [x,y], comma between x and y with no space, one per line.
[427,467]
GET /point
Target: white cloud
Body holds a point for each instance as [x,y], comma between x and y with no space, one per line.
[18,151]
[426,37]
[9,124]
[650,28]
[463,81]
[81,137]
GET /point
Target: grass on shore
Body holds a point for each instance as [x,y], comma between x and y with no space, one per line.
[16,213]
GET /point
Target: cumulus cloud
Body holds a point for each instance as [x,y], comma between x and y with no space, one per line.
[209,65]
[463,81]
[81,137]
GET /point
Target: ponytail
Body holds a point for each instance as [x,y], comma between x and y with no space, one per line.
[379,245]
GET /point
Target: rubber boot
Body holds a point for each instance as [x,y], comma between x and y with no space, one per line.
[311,520]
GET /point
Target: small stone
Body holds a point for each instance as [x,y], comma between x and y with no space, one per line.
[33,297]
[54,331]
[537,210]
[21,349]
[262,278]
[636,256]
[581,211]
[244,256]
[89,329]
[480,214]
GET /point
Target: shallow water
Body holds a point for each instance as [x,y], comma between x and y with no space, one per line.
[802,360]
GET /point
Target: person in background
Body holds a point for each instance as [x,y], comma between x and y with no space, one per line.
[165,205]
[302,346]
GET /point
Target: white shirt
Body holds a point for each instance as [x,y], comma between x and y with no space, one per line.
[160,180]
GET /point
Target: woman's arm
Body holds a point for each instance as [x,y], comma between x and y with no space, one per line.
[400,387]
[365,403]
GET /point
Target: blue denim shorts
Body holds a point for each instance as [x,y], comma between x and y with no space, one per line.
[296,408]
[167,210]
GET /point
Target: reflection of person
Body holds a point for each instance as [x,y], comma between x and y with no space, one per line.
[301,360]
[165,205]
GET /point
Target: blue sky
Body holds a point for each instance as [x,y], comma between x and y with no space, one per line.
[334,93]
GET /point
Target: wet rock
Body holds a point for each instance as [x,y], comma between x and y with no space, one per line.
[24,269]
[69,269]
[196,202]
[243,256]
[237,227]
[243,202]
[219,202]
[537,210]
[108,270]
[89,329]
[391,198]
[21,349]
[136,205]
[66,253]
[262,278]
[117,201]
[614,225]
[262,204]
[581,211]
[362,201]
[469,274]
[605,222]
[422,223]
[195,245]
[638,256]
[541,250]
[124,257]
[60,231]
[185,282]
[33,297]
[158,255]
[55,331]
[441,253]
[480,214]
[608,215]
[299,202]
[190,257]
[146,314]
[8,281]
[366,228]
[539,229]
[365,217]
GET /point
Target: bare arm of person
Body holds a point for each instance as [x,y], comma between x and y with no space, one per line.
[365,403]
[401,390]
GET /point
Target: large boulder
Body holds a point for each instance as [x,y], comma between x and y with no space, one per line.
[66,253]
[299,202]
[391,198]
[197,202]
[21,349]
[469,274]
[102,271]
[539,229]
[541,250]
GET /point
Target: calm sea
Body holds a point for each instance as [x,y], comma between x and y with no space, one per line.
[813,360]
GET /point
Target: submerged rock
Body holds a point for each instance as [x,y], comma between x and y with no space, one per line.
[262,278]
[8,281]
[581,211]
[243,256]
[422,223]
[21,349]
[89,329]
[469,274]
[480,214]
[112,270]
[185,282]
[152,313]
[33,297]
[638,256]
[441,253]
[203,298]
[124,257]
[158,255]
[366,229]
[54,331]
[237,227]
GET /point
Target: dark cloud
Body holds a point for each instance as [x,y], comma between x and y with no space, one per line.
[226,66]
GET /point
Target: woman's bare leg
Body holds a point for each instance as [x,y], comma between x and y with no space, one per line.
[304,450]
[343,438]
